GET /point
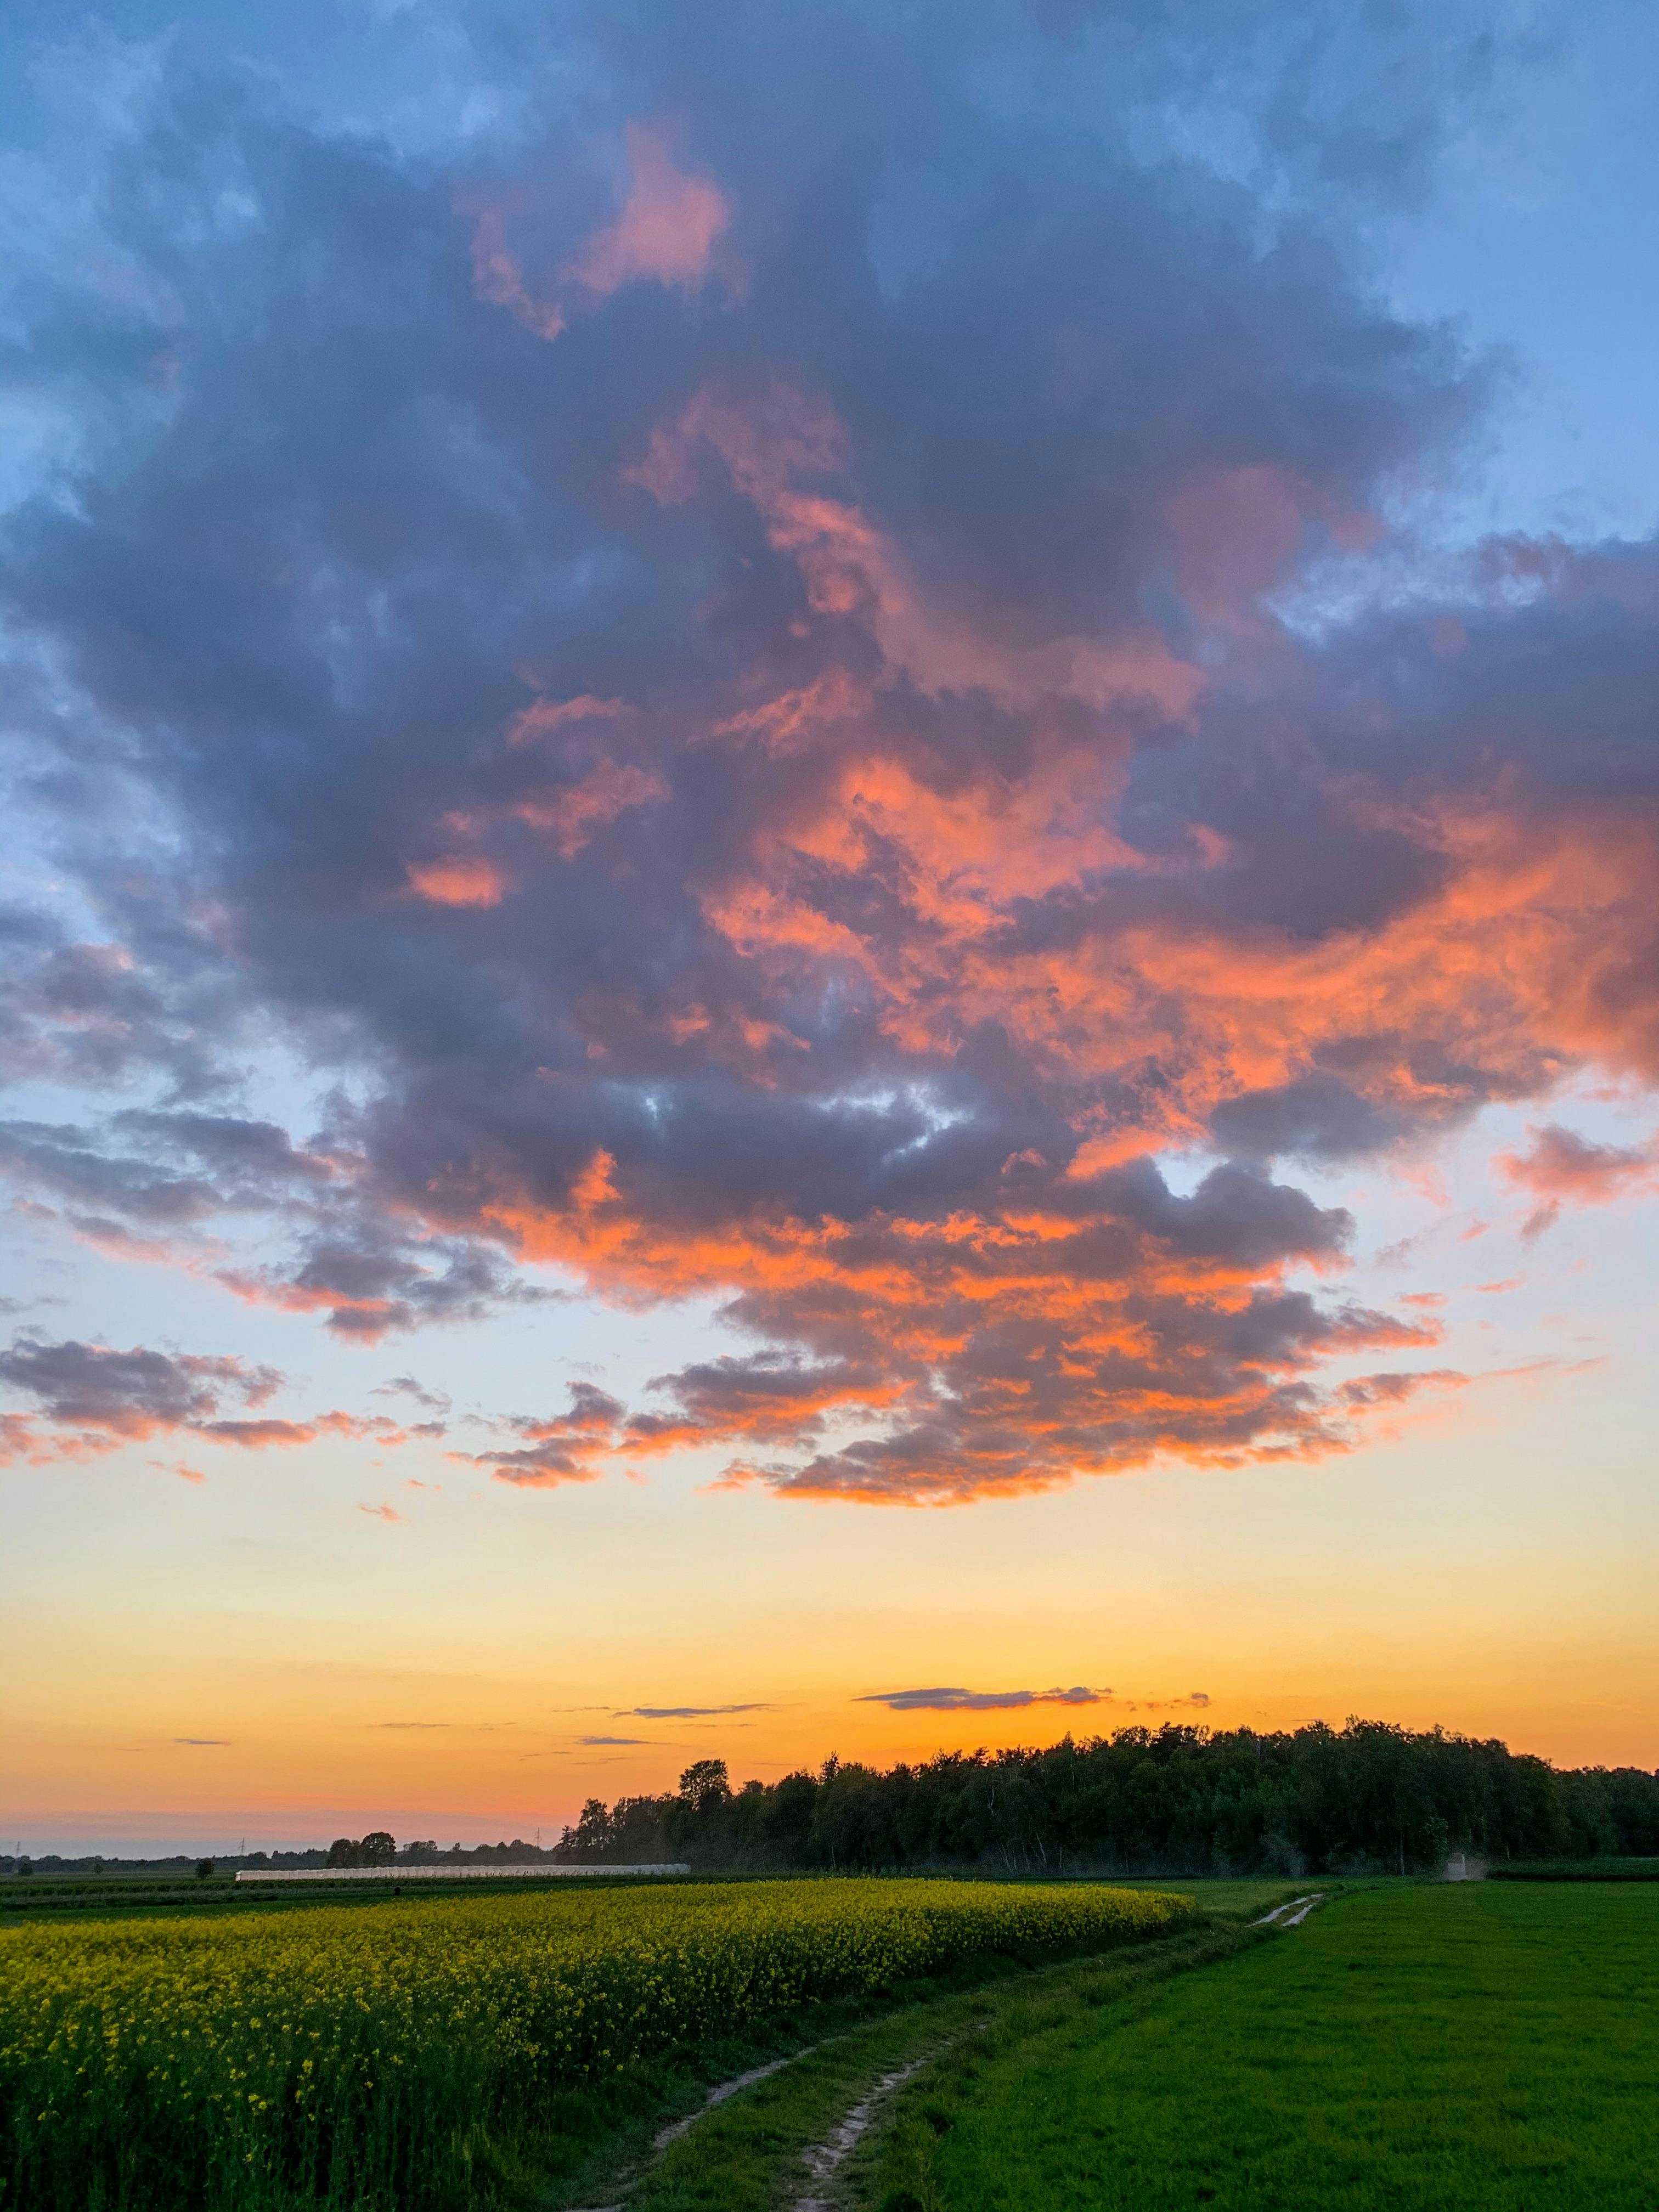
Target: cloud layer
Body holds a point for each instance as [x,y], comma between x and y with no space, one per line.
[782,676]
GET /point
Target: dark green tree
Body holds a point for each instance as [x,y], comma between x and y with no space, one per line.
[704,1784]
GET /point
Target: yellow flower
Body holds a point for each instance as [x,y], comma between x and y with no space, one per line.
[480,2001]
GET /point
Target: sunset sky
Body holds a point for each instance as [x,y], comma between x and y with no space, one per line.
[830,891]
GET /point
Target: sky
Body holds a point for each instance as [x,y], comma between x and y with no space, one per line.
[828,893]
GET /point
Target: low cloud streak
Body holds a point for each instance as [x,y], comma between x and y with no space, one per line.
[687,1712]
[980,1701]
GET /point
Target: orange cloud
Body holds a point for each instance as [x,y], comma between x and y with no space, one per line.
[459,879]
[998,1351]
[1031,1333]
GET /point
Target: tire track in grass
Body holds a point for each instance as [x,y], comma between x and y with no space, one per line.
[823,2160]
[665,2138]
[1296,1916]
[845,2084]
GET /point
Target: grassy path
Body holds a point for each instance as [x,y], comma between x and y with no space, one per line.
[764,2148]
[1478,2048]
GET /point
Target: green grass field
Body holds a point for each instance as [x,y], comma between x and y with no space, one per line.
[1411,2048]
[1603,1870]
[1458,2048]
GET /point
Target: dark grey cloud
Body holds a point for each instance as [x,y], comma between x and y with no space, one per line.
[133,1393]
[254,1155]
[88,1012]
[367,1275]
[71,1163]
[981,1701]
[153,1175]
[568,1447]
[435,1402]
[88,1399]
[762,755]
[687,1712]
[1316,1118]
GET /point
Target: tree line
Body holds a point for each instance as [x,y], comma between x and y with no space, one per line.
[1366,1797]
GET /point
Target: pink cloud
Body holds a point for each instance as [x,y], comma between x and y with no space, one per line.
[543,716]
[1563,1168]
[574,814]
[497,277]
[1237,531]
[773,439]
[91,1398]
[667,227]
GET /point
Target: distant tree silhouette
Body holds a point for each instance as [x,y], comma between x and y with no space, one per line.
[1175,1800]
[704,1784]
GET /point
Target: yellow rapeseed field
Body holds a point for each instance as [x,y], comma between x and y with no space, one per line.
[321,2054]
